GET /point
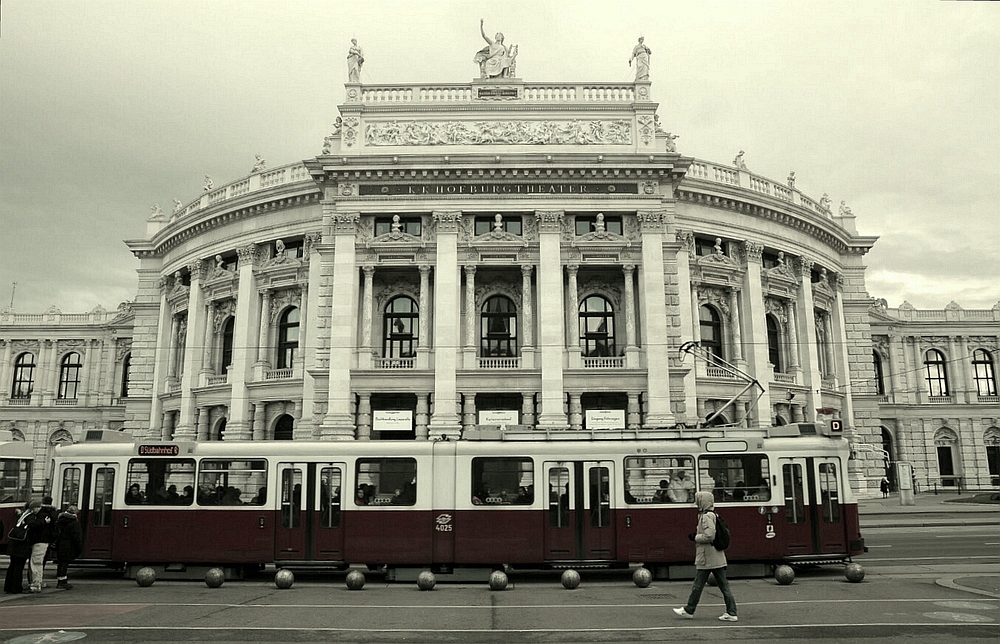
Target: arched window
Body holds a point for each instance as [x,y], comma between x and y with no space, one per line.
[228,329]
[498,328]
[400,324]
[879,379]
[288,338]
[597,327]
[986,380]
[711,330]
[283,428]
[24,376]
[69,376]
[774,343]
[126,373]
[937,373]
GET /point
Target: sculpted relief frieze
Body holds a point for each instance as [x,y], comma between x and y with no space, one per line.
[570,132]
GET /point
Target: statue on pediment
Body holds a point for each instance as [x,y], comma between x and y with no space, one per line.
[640,54]
[355,59]
[495,60]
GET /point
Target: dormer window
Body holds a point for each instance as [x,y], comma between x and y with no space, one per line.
[397,224]
[586,224]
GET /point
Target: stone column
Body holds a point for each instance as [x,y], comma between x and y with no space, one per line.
[168,426]
[575,412]
[365,356]
[83,393]
[207,367]
[238,421]
[573,312]
[631,350]
[528,408]
[894,387]
[263,344]
[687,308]
[919,371]
[185,429]
[734,321]
[423,415]
[174,343]
[307,425]
[755,322]
[445,420]
[364,416]
[658,409]
[161,357]
[838,350]
[424,324]
[5,370]
[633,417]
[469,420]
[551,320]
[831,360]
[339,422]
[50,372]
[794,366]
[204,413]
[470,317]
[957,371]
[812,379]
[527,323]
[109,377]
[259,422]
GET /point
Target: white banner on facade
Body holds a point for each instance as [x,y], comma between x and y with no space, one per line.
[605,419]
[498,417]
[394,420]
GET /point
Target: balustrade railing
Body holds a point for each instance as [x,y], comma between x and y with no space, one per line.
[715,371]
[500,363]
[786,378]
[66,402]
[277,374]
[292,173]
[394,363]
[989,399]
[217,380]
[23,402]
[530,92]
[612,362]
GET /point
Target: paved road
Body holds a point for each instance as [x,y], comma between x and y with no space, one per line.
[979,544]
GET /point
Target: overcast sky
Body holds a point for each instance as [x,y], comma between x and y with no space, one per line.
[109,107]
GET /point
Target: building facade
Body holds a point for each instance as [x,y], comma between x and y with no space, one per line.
[516,255]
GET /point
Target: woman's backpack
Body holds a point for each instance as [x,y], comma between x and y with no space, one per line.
[722,536]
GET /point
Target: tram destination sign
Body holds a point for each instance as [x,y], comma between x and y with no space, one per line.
[159,450]
[497,188]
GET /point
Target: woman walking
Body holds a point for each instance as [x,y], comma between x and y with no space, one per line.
[708,560]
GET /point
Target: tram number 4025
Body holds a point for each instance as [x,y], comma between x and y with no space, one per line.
[443,523]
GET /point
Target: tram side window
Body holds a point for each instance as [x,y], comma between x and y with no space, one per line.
[15,474]
[559,497]
[795,507]
[503,481]
[659,479]
[829,492]
[104,496]
[232,482]
[160,481]
[735,478]
[599,484]
[386,481]
[70,488]
[329,497]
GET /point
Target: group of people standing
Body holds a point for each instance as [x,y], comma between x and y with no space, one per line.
[46,528]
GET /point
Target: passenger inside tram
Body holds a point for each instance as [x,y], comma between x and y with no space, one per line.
[134,495]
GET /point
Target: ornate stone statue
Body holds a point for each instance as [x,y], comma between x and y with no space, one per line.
[498,223]
[209,184]
[396,226]
[671,137]
[718,247]
[220,265]
[279,251]
[640,54]
[355,59]
[258,165]
[599,224]
[791,179]
[845,210]
[178,206]
[155,210]
[738,161]
[494,60]
[824,203]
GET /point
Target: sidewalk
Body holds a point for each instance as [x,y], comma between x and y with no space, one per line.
[929,509]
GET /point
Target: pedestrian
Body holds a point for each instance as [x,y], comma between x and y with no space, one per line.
[19,551]
[708,560]
[69,545]
[40,535]
[884,486]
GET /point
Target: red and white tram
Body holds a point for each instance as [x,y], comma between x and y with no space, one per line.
[16,459]
[463,503]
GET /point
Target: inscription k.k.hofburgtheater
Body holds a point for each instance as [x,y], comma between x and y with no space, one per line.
[494,188]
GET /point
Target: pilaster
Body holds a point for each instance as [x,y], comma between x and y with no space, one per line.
[244,349]
[307,424]
[338,424]
[424,324]
[687,307]
[527,321]
[445,420]
[756,329]
[652,225]
[185,429]
[551,318]
[812,379]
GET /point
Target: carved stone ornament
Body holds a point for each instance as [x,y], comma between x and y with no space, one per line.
[754,251]
[310,242]
[447,222]
[566,132]
[346,223]
[384,291]
[349,134]
[598,285]
[246,254]
[549,221]
[18,346]
[122,349]
[217,270]
[648,187]
[716,296]
[988,342]
[345,189]
[284,298]
[487,287]
[651,221]
[646,128]
[529,228]
[776,308]
[124,310]
[223,310]
[196,270]
[686,239]
[881,344]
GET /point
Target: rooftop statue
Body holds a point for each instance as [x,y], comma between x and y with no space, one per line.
[259,165]
[355,59]
[495,60]
[791,179]
[640,54]
[739,162]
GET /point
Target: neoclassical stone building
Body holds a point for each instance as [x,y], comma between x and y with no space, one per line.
[508,253]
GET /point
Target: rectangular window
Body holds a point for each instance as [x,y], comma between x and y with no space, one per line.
[795,509]
[386,481]
[15,475]
[735,477]
[993,463]
[486,225]
[586,224]
[329,497]
[232,482]
[599,488]
[291,498]
[503,481]
[408,225]
[559,497]
[161,481]
[104,496]
[70,488]
[829,492]
[659,479]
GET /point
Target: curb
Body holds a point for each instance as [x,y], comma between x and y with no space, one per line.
[949,582]
[926,524]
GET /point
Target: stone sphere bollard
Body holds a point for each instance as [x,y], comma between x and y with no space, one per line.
[498,580]
[214,577]
[426,580]
[571,580]
[784,575]
[145,576]
[712,581]
[284,579]
[854,573]
[642,577]
[355,580]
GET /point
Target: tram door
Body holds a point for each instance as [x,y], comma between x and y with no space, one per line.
[579,525]
[310,523]
[813,522]
[98,522]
